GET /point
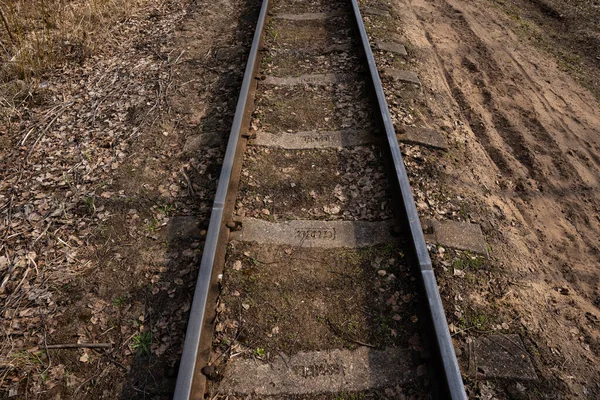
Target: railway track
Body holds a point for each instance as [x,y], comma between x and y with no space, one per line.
[315,280]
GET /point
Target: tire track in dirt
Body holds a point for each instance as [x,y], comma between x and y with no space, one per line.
[506,121]
[469,113]
[475,122]
[505,108]
[565,181]
[518,136]
[559,121]
[540,130]
[492,127]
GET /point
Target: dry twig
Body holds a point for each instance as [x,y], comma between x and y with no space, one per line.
[80,346]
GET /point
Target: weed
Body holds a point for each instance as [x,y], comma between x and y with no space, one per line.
[472,279]
[266,60]
[478,321]
[166,209]
[26,360]
[90,205]
[259,352]
[119,301]
[463,211]
[253,260]
[152,224]
[271,34]
[141,343]
[467,260]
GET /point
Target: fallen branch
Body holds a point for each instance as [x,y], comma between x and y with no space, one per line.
[80,346]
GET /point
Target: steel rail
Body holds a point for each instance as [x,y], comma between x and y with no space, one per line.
[187,366]
[450,367]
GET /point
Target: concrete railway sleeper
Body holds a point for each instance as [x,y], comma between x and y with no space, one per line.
[315,281]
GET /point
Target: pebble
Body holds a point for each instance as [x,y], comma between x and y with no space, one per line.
[237,265]
[210,372]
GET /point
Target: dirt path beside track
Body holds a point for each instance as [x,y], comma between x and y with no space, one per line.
[527,159]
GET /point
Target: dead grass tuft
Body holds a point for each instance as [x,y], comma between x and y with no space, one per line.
[36,35]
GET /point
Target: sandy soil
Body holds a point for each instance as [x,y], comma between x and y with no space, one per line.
[526,159]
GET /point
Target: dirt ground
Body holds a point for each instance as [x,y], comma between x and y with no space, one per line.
[107,164]
[524,124]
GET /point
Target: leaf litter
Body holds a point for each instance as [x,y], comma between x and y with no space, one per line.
[93,174]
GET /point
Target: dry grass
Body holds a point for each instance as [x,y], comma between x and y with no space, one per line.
[36,35]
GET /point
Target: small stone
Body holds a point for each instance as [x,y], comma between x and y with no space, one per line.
[246,306]
[237,265]
[422,370]
[210,372]
[564,291]
[382,272]
[441,251]
[397,317]
[332,209]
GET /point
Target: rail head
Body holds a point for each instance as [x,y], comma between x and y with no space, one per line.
[443,339]
[187,366]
